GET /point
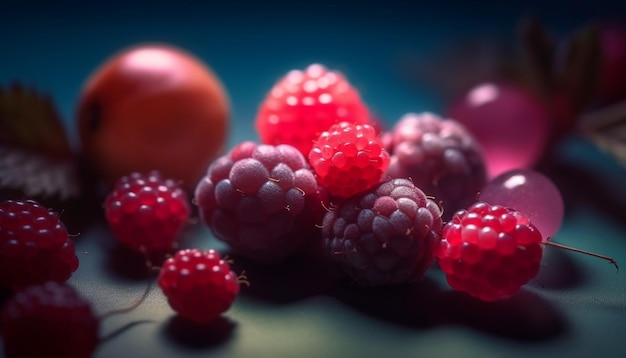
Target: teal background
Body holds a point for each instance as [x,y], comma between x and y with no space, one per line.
[576,307]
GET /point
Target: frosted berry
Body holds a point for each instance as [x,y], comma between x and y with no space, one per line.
[489,251]
[34,245]
[48,320]
[147,212]
[386,235]
[348,158]
[262,200]
[199,285]
[440,156]
[303,104]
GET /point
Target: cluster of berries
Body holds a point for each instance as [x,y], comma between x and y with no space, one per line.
[384,206]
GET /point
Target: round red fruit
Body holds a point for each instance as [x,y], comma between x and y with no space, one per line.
[153,107]
[147,212]
[303,104]
[489,251]
[34,245]
[199,285]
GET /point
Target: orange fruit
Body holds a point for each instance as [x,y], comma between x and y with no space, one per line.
[153,107]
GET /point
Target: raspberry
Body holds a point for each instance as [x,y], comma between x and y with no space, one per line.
[263,200]
[441,157]
[146,212]
[48,320]
[348,158]
[489,251]
[386,235]
[199,285]
[303,104]
[34,245]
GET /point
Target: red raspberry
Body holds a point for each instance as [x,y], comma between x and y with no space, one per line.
[304,104]
[48,320]
[386,235]
[348,158]
[489,251]
[262,200]
[34,245]
[440,156]
[147,212]
[198,285]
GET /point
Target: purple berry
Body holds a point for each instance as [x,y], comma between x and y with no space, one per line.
[262,200]
[441,158]
[385,235]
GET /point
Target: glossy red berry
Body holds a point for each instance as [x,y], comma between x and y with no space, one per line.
[48,320]
[147,212]
[303,104]
[348,158]
[489,251]
[34,245]
[199,285]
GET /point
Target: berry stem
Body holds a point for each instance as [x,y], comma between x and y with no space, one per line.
[580,251]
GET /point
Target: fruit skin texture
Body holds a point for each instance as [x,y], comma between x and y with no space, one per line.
[199,285]
[49,320]
[489,251]
[152,107]
[348,158]
[303,104]
[384,236]
[147,211]
[262,200]
[34,245]
[440,156]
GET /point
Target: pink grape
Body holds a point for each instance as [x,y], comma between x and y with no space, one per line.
[511,125]
[531,193]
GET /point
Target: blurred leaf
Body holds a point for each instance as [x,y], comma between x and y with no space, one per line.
[29,121]
[537,57]
[607,129]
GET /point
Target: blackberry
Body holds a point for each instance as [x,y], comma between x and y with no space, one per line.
[440,156]
[385,235]
[262,200]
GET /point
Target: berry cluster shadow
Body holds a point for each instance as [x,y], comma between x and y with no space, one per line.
[524,317]
[186,334]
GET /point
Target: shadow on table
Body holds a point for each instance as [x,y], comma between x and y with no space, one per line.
[524,317]
[197,336]
[293,280]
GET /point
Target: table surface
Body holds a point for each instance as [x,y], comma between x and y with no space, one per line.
[576,307]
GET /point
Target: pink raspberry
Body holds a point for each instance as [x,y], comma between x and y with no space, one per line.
[48,320]
[489,251]
[199,285]
[34,245]
[386,235]
[147,212]
[348,158]
[303,104]
[262,200]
